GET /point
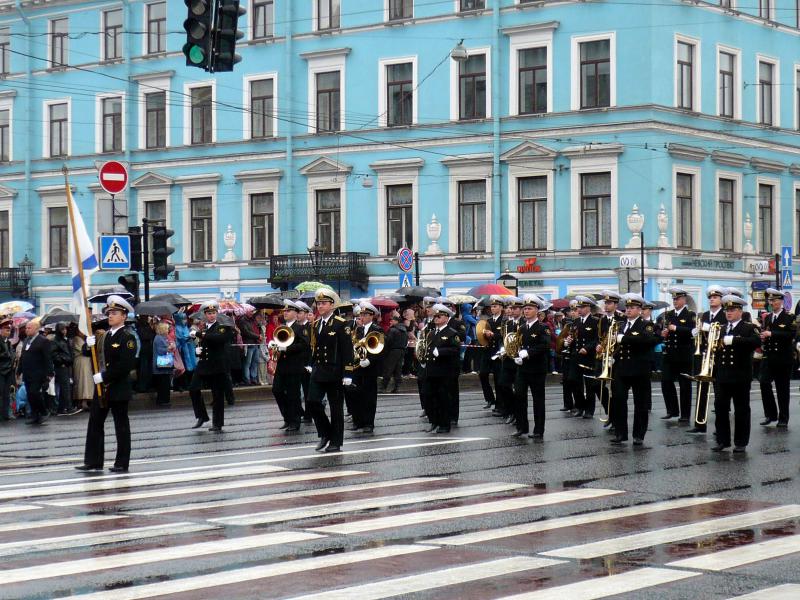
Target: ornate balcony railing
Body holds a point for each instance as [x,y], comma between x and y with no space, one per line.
[13,282]
[287,270]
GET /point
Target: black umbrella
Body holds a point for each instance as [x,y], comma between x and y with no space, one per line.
[101,297]
[174,299]
[418,291]
[266,302]
[59,315]
[155,308]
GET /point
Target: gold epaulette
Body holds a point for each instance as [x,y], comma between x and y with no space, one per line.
[338,318]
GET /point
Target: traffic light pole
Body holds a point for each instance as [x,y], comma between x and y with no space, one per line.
[146,257]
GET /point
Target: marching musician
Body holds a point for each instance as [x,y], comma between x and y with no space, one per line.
[425,327]
[611,302]
[365,377]
[582,344]
[733,372]
[570,314]
[331,370]
[532,362]
[304,319]
[490,357]
[352,315]
[632,371]
[441,359]
[714,314]
[508,368]
[677,356]
[777,335]
[457,325]
[289,368]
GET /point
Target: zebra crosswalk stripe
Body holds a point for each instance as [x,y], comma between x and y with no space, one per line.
[787,591]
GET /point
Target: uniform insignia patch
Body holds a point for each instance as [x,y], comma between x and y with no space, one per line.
[331,333]
[588,328]
[781,325]
[347,330]
[222,330]
[115,345]
[648,329]
[683,320]
[131,344]
[338,318]
[458,341]
[635,332]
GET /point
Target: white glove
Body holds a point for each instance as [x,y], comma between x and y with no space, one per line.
[706,327]
[308,369]
[502,351]
[695,331]
[91,341]
[280,349]
[347,381]
[523,353]
[198,351]
[495,356]
[193,334]
[363,363]
[727,340]
[797,345]
[518,361]
[97,378]
[272,345]
[436,352]
[619,338]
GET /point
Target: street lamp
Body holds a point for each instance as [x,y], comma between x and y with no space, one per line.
[316,253]
[459,53]
[25,273]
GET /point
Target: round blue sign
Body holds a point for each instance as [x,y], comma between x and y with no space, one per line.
[405,259]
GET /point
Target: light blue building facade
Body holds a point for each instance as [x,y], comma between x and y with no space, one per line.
[539,137]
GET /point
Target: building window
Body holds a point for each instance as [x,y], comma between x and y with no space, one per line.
[58,42]
[59,129]
[797,96]
[5,135]
[532,216]
[112,34]
[155,211]
[399,217]
[472,216]
[5,54]
[532,81]
[765,218]
[726,3]
[685,75]
[156,27]
[156,120]
[263,19]
[261,108]
[727,188]
[595,74]
[328,101]
[4,240]
[472,5]
[472,87]
[684,187]
[57,223]
[764,9]
[201,115]
[727,87]
[328,13]
[262,223]
[765,92]
[329,206]
[797,221]
[400,94]
[111,215]
[401,9]
[596,210]
[201,230]
[112,124]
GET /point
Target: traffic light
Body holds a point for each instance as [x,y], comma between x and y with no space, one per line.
[131,283]
[135,233]
[161,252]
[226,19]
[199,33]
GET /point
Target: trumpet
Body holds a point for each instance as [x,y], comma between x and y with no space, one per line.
[283,337]
[698,341]
[372,343]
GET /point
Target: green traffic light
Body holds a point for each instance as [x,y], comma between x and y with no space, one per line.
[196,54]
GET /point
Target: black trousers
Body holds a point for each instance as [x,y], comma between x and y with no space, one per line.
[639,385]
[162,381]
[705,393]
[393,367]
[488,367]
[671,370]
[739,394]
[367,404]
[534,383]
[64,387]
[33,387]
[578,389]
[454,396]
[505,401]
[218,382]
[287,389]
[333,428]
[438,401]
[94,452]
[781,374]
[6,381]
[421,389]
[305,378]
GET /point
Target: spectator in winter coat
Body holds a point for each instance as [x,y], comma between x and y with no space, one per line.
[396,344]
[62,363]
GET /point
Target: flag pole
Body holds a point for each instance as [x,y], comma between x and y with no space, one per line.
[76,249]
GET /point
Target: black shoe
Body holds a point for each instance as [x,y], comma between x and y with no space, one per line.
[116,469]
[518,434]
[292,428]
[368,430]
[618,441]
[423,415]
[199,423]
[215,429]
[307,420]
[87,468]
[442,429]
[696,430]
[284,426]
[719,448]
[587,415]
[564,409]
[333,449]
[431,429]
[536,436]
[488,405]
[739,449]
[668,417]
[638,441]
[322,443]
[782,424]
[767,421]
[231,402]
[575,413]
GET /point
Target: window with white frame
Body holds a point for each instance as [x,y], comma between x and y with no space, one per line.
[59,36]
[472,216]
[726,3]
[532,212]
[202,230]
[329,219]
[401,9]
[797,221]
[328,14]
[328,101]
[399,217]
[766,94]
[765,207]
[595,73]
[261,108]
[262,225]
[727,191]
[595,210]
[797,99]
[263,19]
[202,122]
[112,214]
[765,9]
[111,124]
[685,74]
[155,211]
[58,124]
[156,27]
[532,66]
[5,239]
[399,94]
[727,84]
[684,200]
[5,51]
[112,34]
[472,87]
[5,135]
[467,5]
[155,120]
[57,236]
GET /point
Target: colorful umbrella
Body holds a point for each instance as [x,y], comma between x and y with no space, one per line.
[24,315]
[560,303]
[462,299]
[383,302]
[14,306]
[311,286]
[489,289]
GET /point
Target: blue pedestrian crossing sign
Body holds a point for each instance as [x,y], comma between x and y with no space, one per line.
[786,267]
[115,252]
[786,280]
[404,280]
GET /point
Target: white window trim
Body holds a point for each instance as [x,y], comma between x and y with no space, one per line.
[152,194]
[696,71]
[146,36]
[151,86]
[102,29]
[737,78]
[326,64]
[251,16]
[795,190]
[50,20]
[398,177]
[737,208]
[595,164]
[696,174]
[50,200]
[46,130]
[102,195]
[455,66]
[8,104]
[796,96]
[525,41]
[98,121]
[188,192]
[315,17]
[383,101]
[575,67]
[776,90]
[770,10]
[187,110]
[326,181]
[7,205]
[264,186]
[468,172]
[776,212]
[386,14]
[515,173]
[246,81]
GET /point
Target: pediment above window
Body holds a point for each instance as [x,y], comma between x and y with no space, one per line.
[6,192]
[325,166]
[528,151]
[151,179]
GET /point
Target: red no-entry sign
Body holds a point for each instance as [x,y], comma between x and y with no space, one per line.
[113,177]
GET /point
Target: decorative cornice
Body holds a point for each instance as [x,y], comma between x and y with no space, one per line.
[687,152]
[325,53]
[7,192]
[531,28]
[155,75]
[593,150]
[325,166]
[53,190]
[794,169]
[198,179]
[764,164]
[8,94]
[468,159]
[259,175]
[730,159]
[527,152]
[397,164]
[151,180]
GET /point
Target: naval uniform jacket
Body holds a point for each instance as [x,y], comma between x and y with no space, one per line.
[459,327]
[734,363]
[119,359]
[678,345]
[332,350]
[585,336]
[449,344]
[496,327]
[632,357]
[293,360]
[375,360]
[777,348]
[536,340]
[214,343]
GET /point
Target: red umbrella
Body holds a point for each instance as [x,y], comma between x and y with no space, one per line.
[383,302]
[488,289]
[560,303]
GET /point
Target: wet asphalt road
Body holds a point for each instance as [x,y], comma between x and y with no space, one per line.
[191,512]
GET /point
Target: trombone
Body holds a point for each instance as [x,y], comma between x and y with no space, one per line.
[282,338]
[705,377]
[606,372]
[372,343]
